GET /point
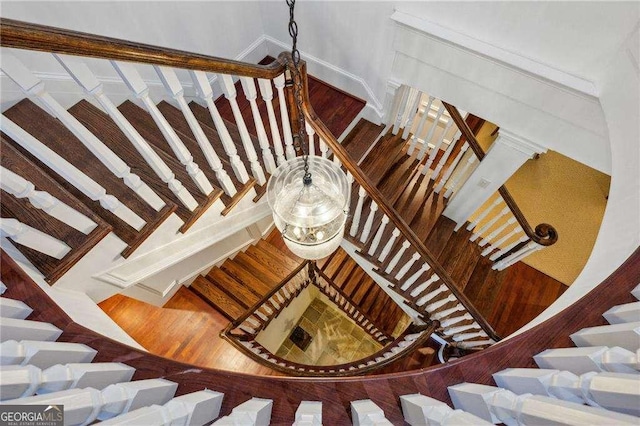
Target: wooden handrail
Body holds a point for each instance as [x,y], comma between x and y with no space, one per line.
[24,35]
[339,151]
[543,234]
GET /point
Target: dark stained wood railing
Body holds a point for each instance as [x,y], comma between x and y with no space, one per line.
[23,35]
[543,234]
[383,204]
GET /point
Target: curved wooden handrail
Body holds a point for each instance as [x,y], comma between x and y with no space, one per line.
[348,369]
[543,234]
[383,204]
[24,35]
[336,394]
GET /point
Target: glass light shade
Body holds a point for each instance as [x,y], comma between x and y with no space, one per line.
[311,217]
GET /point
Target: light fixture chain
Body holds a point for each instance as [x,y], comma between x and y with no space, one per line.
[297,91]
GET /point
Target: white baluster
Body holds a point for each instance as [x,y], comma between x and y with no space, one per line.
[309,413]
[173,85]
[508,248]
[430,296]
[266,91]
[324,149]
[440,303]
[44,354]
[413,278]
[443,314]
[397,257]
[403,94]
[387,248]
[469,336]
[355,222]
[369,222]
[436,148]
[457,180]
[452,321]
[206,93]
[376,239]
[33,238]
[21,188]
[525,251]
[229,90]
[412,112]
[484,228]
[311,133]
[625,335]
[516,230]
[445,156]
[484,213]
[34,87]
[364,412]
[496,232]
[451,168]
[418,132]
[70,173]
[476,343]
[456,330]
[432,129]
[420,410]
[134,82]
[250,92]
[254,412]
[402,272]
[279,82]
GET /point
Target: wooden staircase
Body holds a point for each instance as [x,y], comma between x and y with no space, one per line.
[241,282]
[401,178]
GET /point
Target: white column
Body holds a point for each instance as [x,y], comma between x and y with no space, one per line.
[506,155]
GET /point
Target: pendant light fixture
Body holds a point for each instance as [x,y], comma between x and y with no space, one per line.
[309,195]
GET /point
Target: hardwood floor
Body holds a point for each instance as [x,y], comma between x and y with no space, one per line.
[186,329]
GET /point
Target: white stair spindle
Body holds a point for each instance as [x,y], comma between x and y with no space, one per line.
[476,343]
[309,413]
[70,173]
[416,136]
[197,408]
[403,271]
[16,71]
[173,85]
[44,354]
[376,239]
[402,94]
[484,213]
[397,257]
[355,222]
[412,113]
[19,187]
[484,228]
[523,238]
[440,303]
[576,360]
[619,314]
[445,156]
[120,398]
[250,92]
[432,129]
[324,150]
[436,148]
[456,182]
[14,329]
[365,413]
[205,91]
[266,91]
[625,335]
[445,313]
[387,248]
[496,232]
[33,238]
[429,296]
[451,168]
[136,84]
[229,90]
[82,375]
[517,256]
[413,278]
[620,360]
[311,133]
[420,410]
[11,308]
[87,80]
[451,321]
[516,230]
[368,224]
[461,328]
[279,82]
[254,412]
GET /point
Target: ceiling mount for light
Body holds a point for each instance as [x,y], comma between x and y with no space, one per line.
[309,195]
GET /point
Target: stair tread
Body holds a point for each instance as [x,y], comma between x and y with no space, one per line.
[241,274]
[331,268]
[370,299]
[352,285]
[232,287]
[258,269]
[439,235]
[362,289]
[55,135]
[144,124]
[220,300]
[177,120]
[270,261]
[360,138]
[286,259]
[379,160]
[24,211]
